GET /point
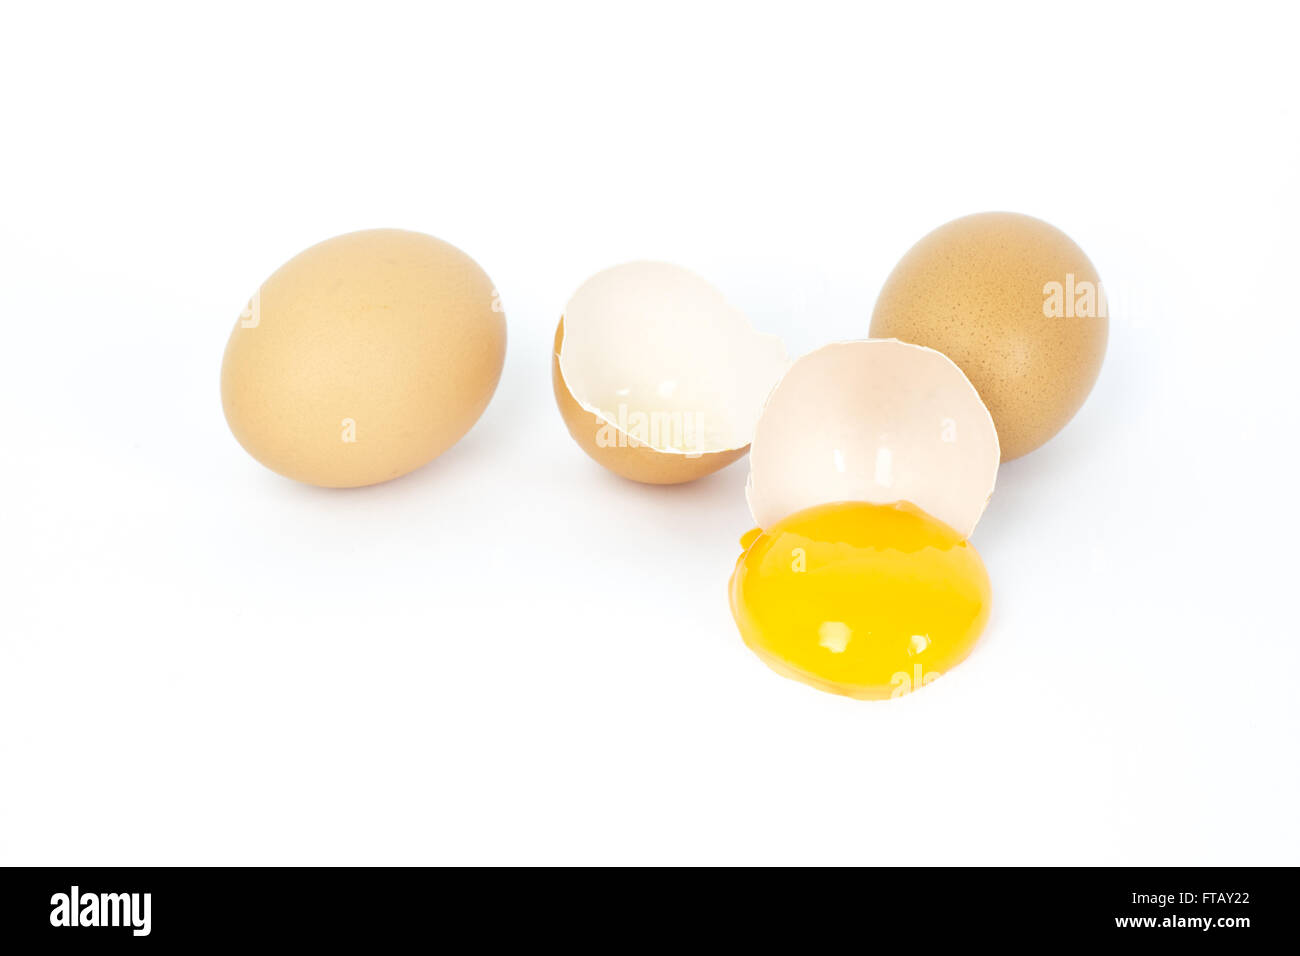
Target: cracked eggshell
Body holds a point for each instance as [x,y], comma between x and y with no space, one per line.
[633,460]
[876,420]
[658,378]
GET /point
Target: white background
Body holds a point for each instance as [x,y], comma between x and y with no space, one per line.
[511,656]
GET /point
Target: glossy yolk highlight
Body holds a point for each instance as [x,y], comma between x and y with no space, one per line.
[871,601]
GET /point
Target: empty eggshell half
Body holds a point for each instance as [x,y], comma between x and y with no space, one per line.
[657,376]
[879,421]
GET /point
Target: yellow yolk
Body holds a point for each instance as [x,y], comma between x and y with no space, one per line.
[871,601]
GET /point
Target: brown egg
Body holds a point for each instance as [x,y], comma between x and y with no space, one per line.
[363,358]
[1017,305]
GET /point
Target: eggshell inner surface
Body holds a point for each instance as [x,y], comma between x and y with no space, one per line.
[658,353]
[879,421]
[620,452]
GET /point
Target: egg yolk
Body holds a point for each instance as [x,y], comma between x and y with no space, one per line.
[870,601]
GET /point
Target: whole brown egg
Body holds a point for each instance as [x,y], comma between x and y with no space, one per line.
[363,358]
[1017,305]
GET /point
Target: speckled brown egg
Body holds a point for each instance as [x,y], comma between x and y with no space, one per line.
[363,357]
[1017,305]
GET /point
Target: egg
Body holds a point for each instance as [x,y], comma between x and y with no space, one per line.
[871,464]
[657,377]
[363,358]
[1017,305]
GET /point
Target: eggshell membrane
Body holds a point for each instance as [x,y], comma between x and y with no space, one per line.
[654,339]
[635,460]
[395,332]
[875,420]
[975,290]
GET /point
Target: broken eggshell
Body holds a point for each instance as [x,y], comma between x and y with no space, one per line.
[876,420]
[658,378]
